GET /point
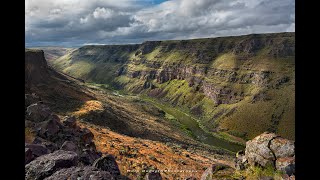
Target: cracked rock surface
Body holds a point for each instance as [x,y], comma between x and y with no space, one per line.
[269,149]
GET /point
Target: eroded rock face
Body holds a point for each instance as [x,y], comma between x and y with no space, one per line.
[268,149]
[107,163]
[75,173]
[46,165]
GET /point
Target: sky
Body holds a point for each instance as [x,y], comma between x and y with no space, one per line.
[74,23]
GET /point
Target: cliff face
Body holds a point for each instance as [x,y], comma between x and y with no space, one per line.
[51,86]
[35,67]
[241,85]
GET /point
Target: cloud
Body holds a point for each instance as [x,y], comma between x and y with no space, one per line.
[77,22]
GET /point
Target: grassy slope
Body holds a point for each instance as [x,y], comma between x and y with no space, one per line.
[244,119]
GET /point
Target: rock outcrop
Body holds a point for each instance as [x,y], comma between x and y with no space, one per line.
[268,149]
[46,165]
[107,163]
[75,173]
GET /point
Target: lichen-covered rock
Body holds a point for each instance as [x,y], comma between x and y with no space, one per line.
[38,112]
[46,165]
[258,150]
[282,147]
[85,173]
[286,165]
[107,163]
[210,171]
[269,149]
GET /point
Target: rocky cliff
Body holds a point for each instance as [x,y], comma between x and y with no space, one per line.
[240,85]
[53,87]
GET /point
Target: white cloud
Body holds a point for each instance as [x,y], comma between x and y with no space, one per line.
[102,13]
[110,21]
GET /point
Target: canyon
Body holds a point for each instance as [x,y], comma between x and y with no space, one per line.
[235,87]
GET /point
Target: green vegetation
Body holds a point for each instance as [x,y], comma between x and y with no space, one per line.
[255,172]
[251,79]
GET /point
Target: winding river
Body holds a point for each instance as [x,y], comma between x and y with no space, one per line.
[196,130]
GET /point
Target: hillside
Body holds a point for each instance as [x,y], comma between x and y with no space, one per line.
[70,126]
[235,86]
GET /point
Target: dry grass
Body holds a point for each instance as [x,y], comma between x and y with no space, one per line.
[88,107]
[133,154]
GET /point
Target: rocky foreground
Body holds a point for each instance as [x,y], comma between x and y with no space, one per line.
[60,149]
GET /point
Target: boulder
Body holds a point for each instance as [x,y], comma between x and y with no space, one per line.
[107,163]
[28,155]
[282,147]
[46,165]
[76,173]
[48,144]
[258,150]
[286,165]
[50,127]
[209,172]
[269,149]
[38,112]
[88,156]
[37,149]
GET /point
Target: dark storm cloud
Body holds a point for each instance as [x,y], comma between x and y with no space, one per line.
[77,22]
